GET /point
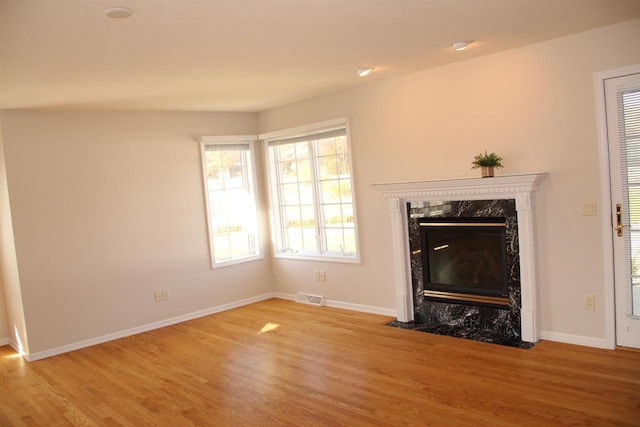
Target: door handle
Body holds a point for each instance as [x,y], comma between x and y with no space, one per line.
[619,226]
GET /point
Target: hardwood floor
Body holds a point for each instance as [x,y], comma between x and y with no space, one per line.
[278,363]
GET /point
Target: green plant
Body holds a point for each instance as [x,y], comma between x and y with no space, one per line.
[491,159]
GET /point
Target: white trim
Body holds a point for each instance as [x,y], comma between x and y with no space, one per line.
[518,187]
[235,261]
[506,186]
[317,257]
[574,339]
[545,335]
[345,305]
[361,308]
[605,199]
[229,139]
[4,341]
[300,130]
[144,328]
[281,295]
[14,345]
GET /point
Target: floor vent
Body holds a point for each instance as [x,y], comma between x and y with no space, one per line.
[310,299]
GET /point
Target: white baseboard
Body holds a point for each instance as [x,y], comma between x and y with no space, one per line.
[4,341]
[575,339]
[144,328]
[280,295]
[363,308]
[346,305]
[545,335]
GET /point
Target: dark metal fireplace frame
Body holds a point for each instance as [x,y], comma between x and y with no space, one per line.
[470,234]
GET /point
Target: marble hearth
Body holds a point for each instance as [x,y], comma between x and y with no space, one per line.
[507,196]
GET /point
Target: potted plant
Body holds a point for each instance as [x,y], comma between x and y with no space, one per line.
[487,163]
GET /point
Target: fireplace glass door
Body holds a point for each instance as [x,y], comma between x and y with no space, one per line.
[464,256]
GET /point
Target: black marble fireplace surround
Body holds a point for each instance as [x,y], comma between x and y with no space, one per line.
[475,322]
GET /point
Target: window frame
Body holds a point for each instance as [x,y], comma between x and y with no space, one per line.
[275,199]
[250,141]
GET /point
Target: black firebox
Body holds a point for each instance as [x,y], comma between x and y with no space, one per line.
[465,260]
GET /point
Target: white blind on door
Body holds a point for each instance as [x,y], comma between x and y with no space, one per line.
[629,137]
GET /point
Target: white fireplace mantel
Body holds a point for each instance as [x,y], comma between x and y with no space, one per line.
[517,187]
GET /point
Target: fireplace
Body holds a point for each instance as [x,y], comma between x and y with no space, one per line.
[464,260]
[518,191]
[465,271]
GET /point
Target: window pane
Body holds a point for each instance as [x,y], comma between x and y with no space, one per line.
[292,217]
[335,241]
[328,167]
[332,216]
[222,248]
[303,169]
[350,240]
[233,219]
[293,239]
[327,146]
[309,236]
[241,242]
[306,193]
[345,191]
[302,150]
[629,133]
[308,216]
[286,152]
[342,145]
[344,168]
[290,194]
[287,171]
[330,191]
[347,216]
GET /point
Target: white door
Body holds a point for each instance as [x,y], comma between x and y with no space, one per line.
[622,103]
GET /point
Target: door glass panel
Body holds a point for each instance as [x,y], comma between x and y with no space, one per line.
[629,130]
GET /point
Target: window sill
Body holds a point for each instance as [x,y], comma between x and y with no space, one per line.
[222,264]
[322,258]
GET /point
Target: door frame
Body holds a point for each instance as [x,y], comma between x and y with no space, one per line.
[605,199]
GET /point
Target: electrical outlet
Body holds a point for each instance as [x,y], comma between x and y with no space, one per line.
[590,302]
[321,275]
[157,295]
[165,294]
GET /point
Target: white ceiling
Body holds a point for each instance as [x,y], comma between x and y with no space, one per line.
[250,55]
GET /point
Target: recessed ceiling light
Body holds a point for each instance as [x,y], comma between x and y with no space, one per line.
[460,45]
[364,71]
[118,12]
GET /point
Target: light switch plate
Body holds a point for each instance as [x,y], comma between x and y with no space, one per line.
[588,208]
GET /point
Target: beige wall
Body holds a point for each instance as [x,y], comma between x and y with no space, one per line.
[107,207]
[11,309]
[535,106]
[4,325]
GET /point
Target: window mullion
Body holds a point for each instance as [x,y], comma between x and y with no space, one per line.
[248,187]
[280,232]
[315,184]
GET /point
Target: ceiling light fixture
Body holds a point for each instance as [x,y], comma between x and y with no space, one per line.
[364,71]
[118,12]
[460,45]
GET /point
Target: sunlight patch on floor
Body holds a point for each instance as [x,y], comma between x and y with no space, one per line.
[269,327]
